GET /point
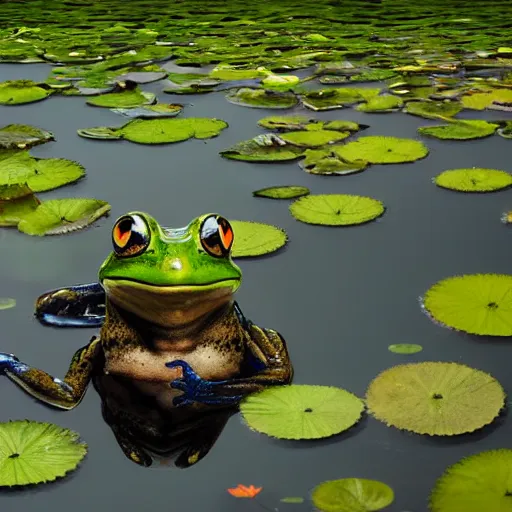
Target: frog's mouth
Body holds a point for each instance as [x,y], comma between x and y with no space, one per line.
[169,305]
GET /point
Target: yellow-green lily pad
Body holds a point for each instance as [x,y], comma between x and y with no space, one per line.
[383,103]
[261,98]
[284,192]
[16,201]
[329,99]
[405,348]
[150,111]
[460,130]
[433,109]
[7,303]
[227,72]
[474,180]
[506,130]
[124,99]
[284,123]
[22,136]
[263,148]
[336,209]
[484,99]
[313,139]
[329,162]
[256,238]
[18,92]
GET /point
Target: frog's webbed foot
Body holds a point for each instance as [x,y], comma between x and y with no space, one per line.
[74,306]
[196,389]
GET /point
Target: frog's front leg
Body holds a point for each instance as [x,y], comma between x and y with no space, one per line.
[63,394]
[267,356]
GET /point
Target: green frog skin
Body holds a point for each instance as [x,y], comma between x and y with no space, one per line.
[170,322]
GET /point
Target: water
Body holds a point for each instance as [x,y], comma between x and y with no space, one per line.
[339,296]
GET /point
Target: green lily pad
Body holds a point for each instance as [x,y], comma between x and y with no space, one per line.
[280,82]
[292,499]
[506,130]
[383,150]
[284,123]
[263,148]
[372,75]
[150,111]
[329,99]
[32,452]
[484,99]
[19,167]
[433,109]
[22,136]
[336,209]
[125,99]
[7,303]
[256,239]
[18,92]
[329,162]
[474,180]
[187,78]
[435,398]
[383,103]
[60,216]
[475,483]
[261,98]
[333,79]
[285,192]
[342,126]
[227,72]
[301,411]
[16,201]
[352,495]
[405,348]
[460,130]
[313,139]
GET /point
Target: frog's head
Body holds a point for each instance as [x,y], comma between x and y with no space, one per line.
[170,277]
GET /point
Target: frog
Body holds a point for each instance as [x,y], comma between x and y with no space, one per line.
[170,324]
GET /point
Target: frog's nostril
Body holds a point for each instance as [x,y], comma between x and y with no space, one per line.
[176,264]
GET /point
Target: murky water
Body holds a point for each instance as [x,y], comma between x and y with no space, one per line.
[339,296]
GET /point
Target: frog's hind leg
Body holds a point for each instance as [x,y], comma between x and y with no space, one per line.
[63,394]
[74,306]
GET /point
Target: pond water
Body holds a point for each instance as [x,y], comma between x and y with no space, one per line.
[339,296]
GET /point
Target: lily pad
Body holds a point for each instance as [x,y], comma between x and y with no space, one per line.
[256,239]
[433,109]
[19,167]
[124,99]
[32,452]
[329,99]
[352,495]
[150,111]
[405,348]
[460,130]
[435,398]
[18,92]
[383,103]
[301,411]
[263,148]
[22,136]
[474,180]
[16,201]
[336,209]
[478,304]
[227,72]
[383,150]
[285,192]
[284,123]
[7,303]
[313,139]
[261,98]
[329,162]
[506,130]
[280,82]
[475,483]
[484,99]
[60,216]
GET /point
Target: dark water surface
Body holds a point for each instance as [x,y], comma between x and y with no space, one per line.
[339,296]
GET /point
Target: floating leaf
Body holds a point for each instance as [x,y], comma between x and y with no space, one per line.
[280,82]
[435,398]
[292,500]
[474,303]
[433,109]
[22,136]
[483,100]
[312,139]
[18,92]
[285,192]
[16,201]
[124,99]
[384,103]
[405,348]
[352,495]
[256,239]
[263,148]
[506,130]
[329,162]
[474,180]
[301,411]
[475,483]
[328,99]
[142,77]
[460,130]
[383,150]
[60,216]
[150,111]
[32,452]
[227,72]
[7,303]
[284,122]
[336,209]
[261,98]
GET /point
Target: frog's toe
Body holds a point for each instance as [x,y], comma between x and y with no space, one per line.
[179,384]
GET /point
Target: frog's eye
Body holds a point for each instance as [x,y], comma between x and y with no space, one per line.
[216,236]
[130,236]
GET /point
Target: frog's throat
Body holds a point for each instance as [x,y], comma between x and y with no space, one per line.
[169,306]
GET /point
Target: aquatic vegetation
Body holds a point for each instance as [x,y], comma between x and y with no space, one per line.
[284,123]
[22,136]
[435,398]
[336,209]
[474,180]
[283,192]
[313,138]
[352,495]
[474,303]
[506,130]
[244,491]
[61,216]
[460,130]
[486,99]
[329,162]
[150,111]
[301,411]
[256,238]
[33,453]
[261,98]
[19,92]
[405,348]
[263,148]
[16,201]
[158,131]
[329,99]
[479,482]
[382,103]
[433,109]
[7,303]
[383,150]
[125,99]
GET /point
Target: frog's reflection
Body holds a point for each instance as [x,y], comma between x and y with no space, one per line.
[148,434]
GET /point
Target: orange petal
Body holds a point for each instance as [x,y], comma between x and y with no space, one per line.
[241,491]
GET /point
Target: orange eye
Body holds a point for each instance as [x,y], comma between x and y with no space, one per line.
[216,236]
[130,236]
